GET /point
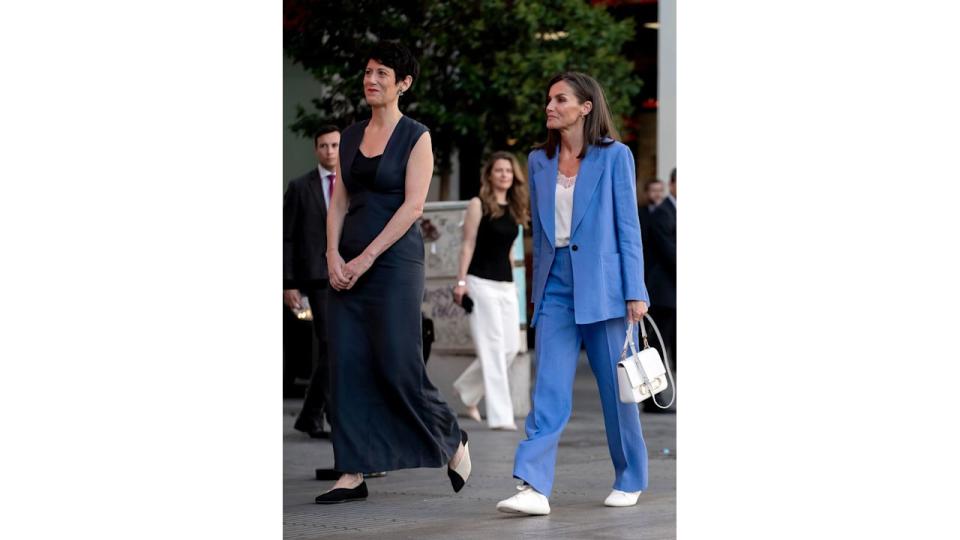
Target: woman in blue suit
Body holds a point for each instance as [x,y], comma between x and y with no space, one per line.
[587,285]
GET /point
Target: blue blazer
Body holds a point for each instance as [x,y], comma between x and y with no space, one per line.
[605,243]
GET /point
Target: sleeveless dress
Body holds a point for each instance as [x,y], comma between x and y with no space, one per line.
[387,415]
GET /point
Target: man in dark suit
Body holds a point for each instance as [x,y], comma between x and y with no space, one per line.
[305,265]
[660,262]
[654,191]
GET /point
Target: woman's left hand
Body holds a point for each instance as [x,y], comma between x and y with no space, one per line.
[636,309]
[357,267]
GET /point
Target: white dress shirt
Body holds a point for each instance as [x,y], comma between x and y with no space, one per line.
[324,174]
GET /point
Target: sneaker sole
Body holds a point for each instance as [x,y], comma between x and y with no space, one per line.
[508,510]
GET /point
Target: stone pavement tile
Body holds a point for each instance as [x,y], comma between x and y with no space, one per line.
[420,504]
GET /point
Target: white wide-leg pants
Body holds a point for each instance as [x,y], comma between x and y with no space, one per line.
[495,325]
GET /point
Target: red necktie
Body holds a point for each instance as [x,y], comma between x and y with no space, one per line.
[331,180]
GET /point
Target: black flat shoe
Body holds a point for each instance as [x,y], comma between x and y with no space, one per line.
[459,475]
[313,431]
[341,495]
[312,428]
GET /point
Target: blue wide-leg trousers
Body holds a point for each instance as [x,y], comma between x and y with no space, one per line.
[558,342]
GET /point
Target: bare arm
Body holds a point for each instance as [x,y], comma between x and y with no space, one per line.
[335,214]
[416,186]
[471,223]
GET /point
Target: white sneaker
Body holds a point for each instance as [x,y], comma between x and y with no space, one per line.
[527,501]
[622,498]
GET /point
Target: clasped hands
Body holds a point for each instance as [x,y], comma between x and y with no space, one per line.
[344,276]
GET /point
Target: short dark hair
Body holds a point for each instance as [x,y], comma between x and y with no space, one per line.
[397,57]
[651,182]
[673,176]
[323,130]
[598,126]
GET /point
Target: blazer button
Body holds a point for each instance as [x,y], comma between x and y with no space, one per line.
[573,247]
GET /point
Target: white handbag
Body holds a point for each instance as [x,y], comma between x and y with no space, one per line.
[643,374]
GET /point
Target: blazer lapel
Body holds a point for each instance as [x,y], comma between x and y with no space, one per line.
[314,186]
[546,179]
[587,179]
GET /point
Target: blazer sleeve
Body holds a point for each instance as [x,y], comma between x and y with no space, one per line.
[535,226]
[291,211]
[627,223]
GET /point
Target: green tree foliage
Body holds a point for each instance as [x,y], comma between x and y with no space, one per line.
[484,63]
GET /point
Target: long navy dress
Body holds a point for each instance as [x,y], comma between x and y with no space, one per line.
[387,413]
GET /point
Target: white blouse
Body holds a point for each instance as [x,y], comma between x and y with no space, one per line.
[564,208]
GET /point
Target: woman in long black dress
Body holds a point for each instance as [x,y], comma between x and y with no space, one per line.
[387,414]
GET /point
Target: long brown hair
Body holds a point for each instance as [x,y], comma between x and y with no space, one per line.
[518,196]
[597,125]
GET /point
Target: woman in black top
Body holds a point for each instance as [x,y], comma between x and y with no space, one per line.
[489,230]
[387,415]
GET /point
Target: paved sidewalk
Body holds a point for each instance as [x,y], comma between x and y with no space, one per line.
[420,504]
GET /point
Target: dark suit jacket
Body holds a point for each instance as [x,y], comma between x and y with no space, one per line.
[304,231]
[644,215]
[660,253]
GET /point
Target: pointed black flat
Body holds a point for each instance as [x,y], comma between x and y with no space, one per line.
[341,495]
[459,475]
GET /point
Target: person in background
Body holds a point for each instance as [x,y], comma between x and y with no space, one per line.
[486,277]
[587,286]
[305,266]
[654,192]
[387,415]
[660,254]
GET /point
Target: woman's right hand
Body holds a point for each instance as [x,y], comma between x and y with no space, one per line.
[458,293]
[335,264]
[291,297]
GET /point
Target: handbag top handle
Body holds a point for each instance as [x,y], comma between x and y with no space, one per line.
[646,345]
